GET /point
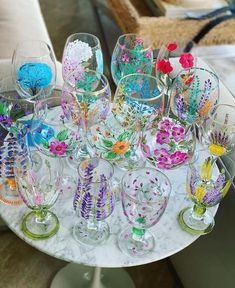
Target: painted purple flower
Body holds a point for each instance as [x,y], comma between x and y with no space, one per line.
[212,197]
[178,133]
[58,148]
[6,121]
[146,150]
[148,54]
[38,198]
[115,62]
[162,137]
[162,155]
[166,124]
[178,157]
[138,41]
[125,58]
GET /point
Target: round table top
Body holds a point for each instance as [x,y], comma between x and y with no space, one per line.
[169,237]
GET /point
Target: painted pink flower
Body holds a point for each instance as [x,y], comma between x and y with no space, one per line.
[171,47]
[162,155]
[163,165]
[186,60]
[166,124]
[178,133]
[125,58]
[178,157]
[115,62]
[162,137]
[138,41]
[139,70]
[148,54]
[145,150]
[38,198]
[163,66]
[58,148]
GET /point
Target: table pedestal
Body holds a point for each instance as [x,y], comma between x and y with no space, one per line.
[80,276]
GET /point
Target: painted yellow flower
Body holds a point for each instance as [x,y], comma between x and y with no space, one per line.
[217,150]
[206,170]
[225,190]
[206,108]
[121,147]
[200,193]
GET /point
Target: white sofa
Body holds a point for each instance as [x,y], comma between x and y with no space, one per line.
[20,20]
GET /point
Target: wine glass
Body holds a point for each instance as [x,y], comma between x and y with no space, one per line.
[168,143]
[92,105]
[193,94]
[208,182]
[218,130]
[33,69]
[94,201]
[81,51]
[131,55]
[136,101]
[172,58]
[145,194]
[53,133]
[11,145]
[39,188]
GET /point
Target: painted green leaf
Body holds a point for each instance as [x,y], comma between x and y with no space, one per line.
[123,136]
[111,155]
[107,143]
[3,109]
[141,220]
[62,135]
[127,154]
[14,130]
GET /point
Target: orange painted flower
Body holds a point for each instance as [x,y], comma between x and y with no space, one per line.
[12,183]
[121,147]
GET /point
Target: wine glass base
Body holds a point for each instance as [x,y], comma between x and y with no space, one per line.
[193,225]
[91,236]
[39,231]
[135,248]
[77,275]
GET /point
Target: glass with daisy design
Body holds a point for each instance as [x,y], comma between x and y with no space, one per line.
[145,194]
[132,54]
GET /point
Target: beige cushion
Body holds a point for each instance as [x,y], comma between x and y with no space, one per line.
[20,20]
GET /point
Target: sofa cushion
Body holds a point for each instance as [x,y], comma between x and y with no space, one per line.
[20,20]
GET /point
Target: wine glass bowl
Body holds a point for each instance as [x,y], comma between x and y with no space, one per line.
[131,55]
[94,201]
[33,69]
[145,194]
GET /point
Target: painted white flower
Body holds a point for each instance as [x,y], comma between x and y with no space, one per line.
[78,51]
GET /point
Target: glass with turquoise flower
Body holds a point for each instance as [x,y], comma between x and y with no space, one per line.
[145,194]
[218,130]
[208,182]
[94,201]
[33,69]
[132,54]
[39,188]
[136,101]
[81,51]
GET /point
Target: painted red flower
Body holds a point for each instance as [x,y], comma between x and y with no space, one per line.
[171,47]
[163,66]
[186,60]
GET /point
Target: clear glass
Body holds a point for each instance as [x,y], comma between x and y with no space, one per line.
[132,54]
[11,145]
[33,69]
[81,51]
[91,106]
[94,201]
[208,182]
[39,188]
[193,94]
[145,194]
[137,100]
[172,58]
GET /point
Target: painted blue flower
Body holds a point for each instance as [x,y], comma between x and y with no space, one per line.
[99,60]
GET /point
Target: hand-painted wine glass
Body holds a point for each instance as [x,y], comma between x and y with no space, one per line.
[168,143]
[145,194]
[11,145]
[193,94]
[219,129]
[39,188]
[92,94]
[171,59]
[81,51]
[94,201]
[131,55]
[55,134]
[33,69]
[137,100]
[208,182]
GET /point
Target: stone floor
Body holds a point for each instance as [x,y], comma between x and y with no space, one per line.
[22,266]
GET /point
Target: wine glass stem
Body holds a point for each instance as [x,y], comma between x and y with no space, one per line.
[96,283]
[198,212]
[40,215]
[138,234]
